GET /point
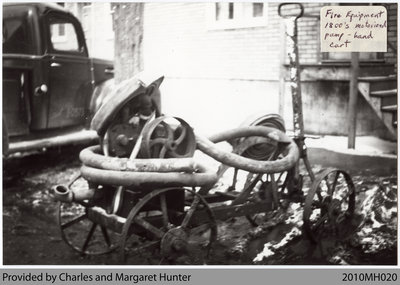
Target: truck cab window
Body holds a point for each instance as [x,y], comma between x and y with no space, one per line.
[17,36]
[63,36]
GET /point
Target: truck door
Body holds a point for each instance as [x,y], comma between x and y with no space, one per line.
[69,71]
[17,44]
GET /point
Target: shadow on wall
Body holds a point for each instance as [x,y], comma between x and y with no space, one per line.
[354,163]
[325,105]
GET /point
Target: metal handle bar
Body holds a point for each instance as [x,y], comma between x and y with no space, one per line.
[299,15]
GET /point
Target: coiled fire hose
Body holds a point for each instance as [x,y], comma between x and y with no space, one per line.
[139,172]
[99,169]
[208,146]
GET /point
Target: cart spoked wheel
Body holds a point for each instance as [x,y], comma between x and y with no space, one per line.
[258,187]
[329,206]
[282,181]
[168,137]
[80,233]
[273,188]
[169,226]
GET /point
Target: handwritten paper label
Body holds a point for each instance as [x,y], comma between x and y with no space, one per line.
[353,29]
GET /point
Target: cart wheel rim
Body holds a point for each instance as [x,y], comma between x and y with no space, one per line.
[270,186]
[173,232]
[81,234]
[329,206]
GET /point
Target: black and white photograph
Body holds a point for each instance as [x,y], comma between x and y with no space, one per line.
[200,133]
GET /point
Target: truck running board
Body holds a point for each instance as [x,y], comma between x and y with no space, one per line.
[79,137]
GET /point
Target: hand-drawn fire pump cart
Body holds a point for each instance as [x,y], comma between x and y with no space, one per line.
[141,191]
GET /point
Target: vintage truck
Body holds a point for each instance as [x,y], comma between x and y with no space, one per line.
[51,87]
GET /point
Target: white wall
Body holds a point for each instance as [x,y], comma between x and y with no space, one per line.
[215,78]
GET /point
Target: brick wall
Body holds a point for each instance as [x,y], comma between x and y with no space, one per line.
[308,32]
[177,39]
[188,47]
[309,41]
[391,55]
[215,78]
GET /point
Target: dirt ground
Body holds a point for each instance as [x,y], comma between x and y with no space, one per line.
[31,235]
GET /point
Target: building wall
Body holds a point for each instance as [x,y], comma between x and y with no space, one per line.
[215,78]
[391,55]
[308,31]
[325,103]
[325,107]
[96,19]
[218,75]
[309,40]
[178,38]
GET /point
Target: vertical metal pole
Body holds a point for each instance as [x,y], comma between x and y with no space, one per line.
[282,71]
[294,70]
[295,84]
[352,113]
